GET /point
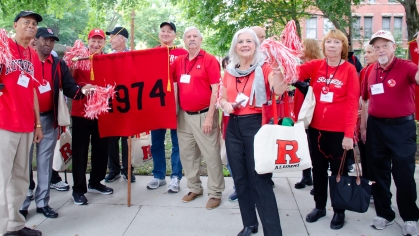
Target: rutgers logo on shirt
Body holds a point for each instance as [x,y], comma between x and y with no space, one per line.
[336,82]
[19,65]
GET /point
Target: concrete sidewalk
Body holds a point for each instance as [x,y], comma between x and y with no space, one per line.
[156,212]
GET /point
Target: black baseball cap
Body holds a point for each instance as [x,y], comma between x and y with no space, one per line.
[46,33]
[122,31]
[38,17]
[171,24]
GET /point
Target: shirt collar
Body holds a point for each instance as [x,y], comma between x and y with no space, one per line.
[392,65]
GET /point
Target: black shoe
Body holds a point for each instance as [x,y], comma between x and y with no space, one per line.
[312,191]
[337,221]
[111,177]
[100,188]
[303,182]
[79,199]
[24,232]
[315,214]
[24,213]
[125,176]
[47,211]
[246,231]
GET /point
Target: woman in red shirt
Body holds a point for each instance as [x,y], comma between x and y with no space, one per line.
[336,89]
[246,85]
[311,51]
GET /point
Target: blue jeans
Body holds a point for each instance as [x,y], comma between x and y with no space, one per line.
[159,157]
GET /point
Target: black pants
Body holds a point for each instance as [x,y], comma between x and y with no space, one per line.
[363,156]
[86,131]
[251,188]
[391,149]
[113,161]
[325,149]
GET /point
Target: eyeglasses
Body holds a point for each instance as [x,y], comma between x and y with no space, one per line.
[384,47]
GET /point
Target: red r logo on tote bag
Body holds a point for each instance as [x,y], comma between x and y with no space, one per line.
[66,152]
[282,152]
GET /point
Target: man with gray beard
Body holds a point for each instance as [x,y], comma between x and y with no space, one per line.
[391,133]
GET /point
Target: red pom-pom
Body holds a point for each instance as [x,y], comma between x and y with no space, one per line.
[290,39]
[5,54]
[98,102]
[77,51]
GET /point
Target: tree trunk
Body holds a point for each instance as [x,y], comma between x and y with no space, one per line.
[412,17]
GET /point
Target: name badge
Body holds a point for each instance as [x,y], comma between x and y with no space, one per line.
[326,97]
[23,81]
[241,97]
[377,89]
[44,89]
[185,79]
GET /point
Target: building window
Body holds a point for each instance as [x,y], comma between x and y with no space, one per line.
[392,0]
[398,27]
[356,27]
[327,26]
[367,27]
[311,30]
[370,1]
[386,23]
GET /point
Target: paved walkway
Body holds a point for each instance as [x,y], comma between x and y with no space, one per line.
[155,212]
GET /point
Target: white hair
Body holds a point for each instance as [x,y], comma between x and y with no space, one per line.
[234,57]
[192,28]
[367,45]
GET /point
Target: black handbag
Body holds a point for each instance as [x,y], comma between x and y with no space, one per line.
[352,193]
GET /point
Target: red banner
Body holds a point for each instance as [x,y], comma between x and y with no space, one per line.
[142,102]
[414,54]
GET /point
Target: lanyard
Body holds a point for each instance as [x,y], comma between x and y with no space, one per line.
[388,72]
[237,81]
[333,75]
[20,54]
[196,59]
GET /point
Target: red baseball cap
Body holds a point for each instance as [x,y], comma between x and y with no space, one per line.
[96,32]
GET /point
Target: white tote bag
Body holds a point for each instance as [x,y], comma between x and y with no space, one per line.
[280,149]
[63,115]
[63,153]
[140,148]
[307,109]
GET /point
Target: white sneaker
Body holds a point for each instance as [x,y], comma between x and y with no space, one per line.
[60,186]
[174,185]
[155,183]
[410,228]
[380,223]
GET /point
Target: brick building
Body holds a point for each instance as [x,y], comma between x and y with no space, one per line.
[369,17]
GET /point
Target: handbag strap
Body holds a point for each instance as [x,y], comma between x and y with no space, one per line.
[342,162]
[358,170]
[58,70]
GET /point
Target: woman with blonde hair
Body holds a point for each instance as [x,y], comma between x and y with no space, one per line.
[311,51]
[336,89]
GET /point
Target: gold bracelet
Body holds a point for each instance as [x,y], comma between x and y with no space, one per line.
[38,126]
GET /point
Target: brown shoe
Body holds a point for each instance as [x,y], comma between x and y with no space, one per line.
[191,196]
[213,203]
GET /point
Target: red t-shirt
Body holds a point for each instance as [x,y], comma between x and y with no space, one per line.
[17,101]
[399,83]
[45,98]
[339,115]
[245,86]
[204,71]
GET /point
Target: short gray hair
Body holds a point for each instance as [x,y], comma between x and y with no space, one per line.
[367,45]
[234,57]
[192,28]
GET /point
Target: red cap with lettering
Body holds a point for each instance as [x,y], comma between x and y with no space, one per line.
[96,32]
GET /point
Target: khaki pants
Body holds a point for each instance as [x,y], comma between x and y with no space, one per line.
[192,142]
[14,178]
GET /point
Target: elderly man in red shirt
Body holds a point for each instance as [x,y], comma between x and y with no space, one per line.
[391,133]
[198,76]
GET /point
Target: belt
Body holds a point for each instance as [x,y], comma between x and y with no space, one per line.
[197,112]
[245,116]
[45,113]
[394,120]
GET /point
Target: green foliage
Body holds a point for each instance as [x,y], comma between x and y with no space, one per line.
[219,20]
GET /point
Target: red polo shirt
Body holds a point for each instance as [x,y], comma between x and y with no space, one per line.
[17,101]
[204,70]
[399,83]
[341,114]
[45,99]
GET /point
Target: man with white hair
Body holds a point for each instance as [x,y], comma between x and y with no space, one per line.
[391,133]
[198,76]
[118,40]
